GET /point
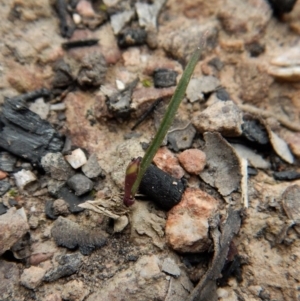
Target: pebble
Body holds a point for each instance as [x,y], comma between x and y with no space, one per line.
[77,158]
[4,187]
[9,279]
[197,87]
[80,184]
[60,207]
[68,265]
[32,277]
[181,137]
[55,165]
[280,147]
[223,164]
[187,223]
[164,78]
[74,291]
[3,208]
[290,202]
[40,108]
[170,267]
[119,20]
[167,161]
[70,235]
[24,178]
[223,117]
[12,229]
[192,160]
[7,161]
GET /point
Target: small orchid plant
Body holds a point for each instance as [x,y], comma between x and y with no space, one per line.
[138,166]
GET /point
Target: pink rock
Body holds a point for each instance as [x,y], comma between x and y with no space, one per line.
[12,227]
[192,160]
[166,160]
[84,8]
[187,223]
[32,277]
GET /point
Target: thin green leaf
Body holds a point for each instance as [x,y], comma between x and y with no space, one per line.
[168,117]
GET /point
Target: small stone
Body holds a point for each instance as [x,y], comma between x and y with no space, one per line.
[92,168]
[68,265]
[164,78]
[93,70]
[254,131]
[9,279]
[32,277]
[7,161]
[119,20]
[80,184]
[33,222]
[223,117]
[170,267]
[290,202]
[280,147]
[197,87]
[74,291]
[57,167]
[3,209]
[181,137]
[60,207]
[40,107]
[12,228]
[222,94]
[147,267]
[4,187]
[120,223]
[77,158]
[166,160]
[187,223]
[192,160]
[24,178]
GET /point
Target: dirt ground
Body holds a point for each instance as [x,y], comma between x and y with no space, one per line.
[252,53]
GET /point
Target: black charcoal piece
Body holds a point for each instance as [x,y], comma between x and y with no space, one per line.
[164,78]
[49,211]
[282,6]
[80,184]
[7,161]
[93,70]
[66,25]
[25,134]
[252,171]
[79,43]
[68,265]
[162,188]
[72,200]
[131,37]
[255,48]
[286,175]
[70,235]
[222,94]
[254,131]
[119,103]
[33,95]
[3,209]
[4,187]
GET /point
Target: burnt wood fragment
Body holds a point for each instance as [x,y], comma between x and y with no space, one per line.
[288,175]
[79,43]
[162,188]
[164,78]
[66,25]
[30,96]
[24,134]
[132,37]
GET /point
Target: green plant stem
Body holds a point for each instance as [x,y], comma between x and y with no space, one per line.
[168,117]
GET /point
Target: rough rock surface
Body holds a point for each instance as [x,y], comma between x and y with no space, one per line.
[12,227]
[32,277]
[223,117]
[187,223]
